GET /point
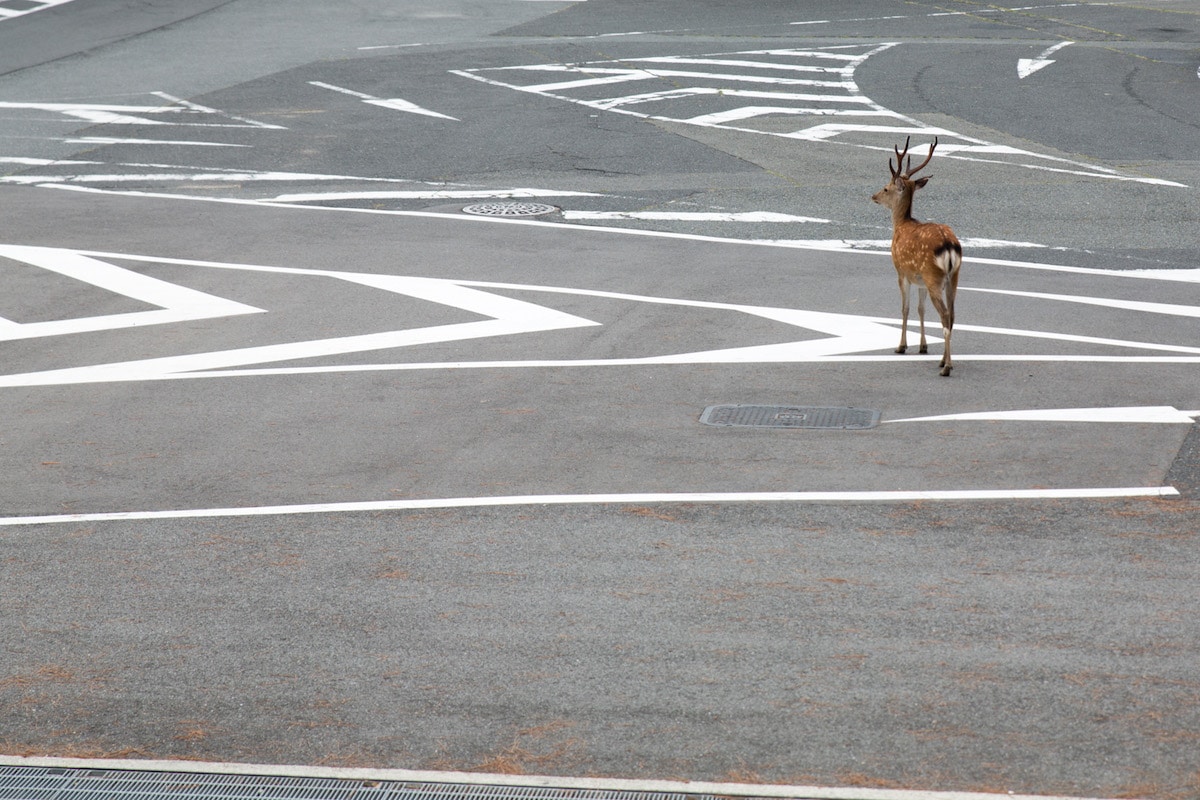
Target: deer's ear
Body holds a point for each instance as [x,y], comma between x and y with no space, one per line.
[920,182]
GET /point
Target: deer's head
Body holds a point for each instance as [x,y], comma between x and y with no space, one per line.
[899,191]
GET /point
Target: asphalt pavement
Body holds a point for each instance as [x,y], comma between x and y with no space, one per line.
[303,464]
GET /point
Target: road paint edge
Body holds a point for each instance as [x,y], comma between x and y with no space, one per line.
[492,779]
[902,496]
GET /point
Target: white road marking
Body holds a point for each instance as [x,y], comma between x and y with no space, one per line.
[429,194]
[692,216]
[976,12]
[832,88]
[1170,275]
[506,317]
[114,140]
[394,103]
[1129,415]
[885,245]
[442,192]
[1028,66]
[766,790]
[391,46]
[123,114]
[847,338]
[176,303]
[35,5]
[898,496]
[1170,309]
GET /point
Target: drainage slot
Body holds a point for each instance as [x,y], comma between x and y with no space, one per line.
[809,417]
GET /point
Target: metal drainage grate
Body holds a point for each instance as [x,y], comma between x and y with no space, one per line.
[40,783]
[750,416]
[509,209]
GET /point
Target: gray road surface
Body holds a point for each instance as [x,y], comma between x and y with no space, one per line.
[304,465]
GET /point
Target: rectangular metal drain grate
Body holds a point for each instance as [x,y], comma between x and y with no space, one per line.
[45,783]
[827,418]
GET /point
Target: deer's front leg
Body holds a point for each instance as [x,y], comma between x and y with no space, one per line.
[903,316]
[921,315]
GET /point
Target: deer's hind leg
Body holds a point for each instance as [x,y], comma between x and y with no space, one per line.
[946,312]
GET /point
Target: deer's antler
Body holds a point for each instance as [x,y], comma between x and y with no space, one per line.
[928,158]
[899,159]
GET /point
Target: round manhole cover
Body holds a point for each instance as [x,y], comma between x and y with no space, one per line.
[509,209]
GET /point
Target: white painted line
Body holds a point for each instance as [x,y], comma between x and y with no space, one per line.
[113,114]
[693,216]
[391,46]
[223,175]
[1170,309]
[1181,276]
[431,194]
[1028,66]
[1158,415]
[1170,275]
[899,496]
[840,93]
[180,105]
[38,5]
[505,317]
[394,103]
[847,338]
[176,303]
[43,162]
[766,790]
[181,142]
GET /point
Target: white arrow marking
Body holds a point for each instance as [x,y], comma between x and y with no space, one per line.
[175,303]
[1028,66]
[394,103]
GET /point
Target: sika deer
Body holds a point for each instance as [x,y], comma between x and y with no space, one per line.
[924,253]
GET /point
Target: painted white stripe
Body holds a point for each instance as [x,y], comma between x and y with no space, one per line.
[395,103]
[181,105]
[113,140]
[176,303]
[110,114]
[693,216]
[507,316]
[847,338]
[780,791]
[42,162]
[898,496]
[1170,275]
[728,62]
[159,177]
[391,46]
[1131,415]
[969,149]
[615,75]
[750,112]
[432,194]
[1180,276]
[1107,302]
[1028,66]
[884,245]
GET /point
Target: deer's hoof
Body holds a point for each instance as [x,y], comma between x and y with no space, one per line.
[945,372]
[901,350]
[924,350]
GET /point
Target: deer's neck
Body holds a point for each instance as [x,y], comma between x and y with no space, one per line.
[902,212]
